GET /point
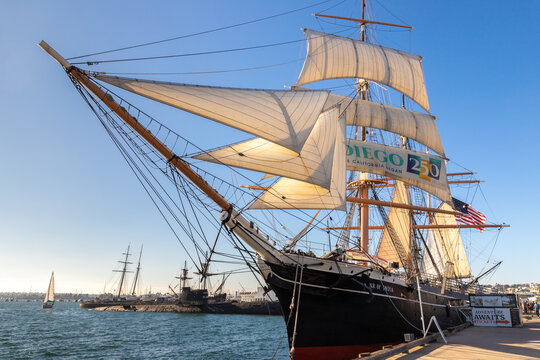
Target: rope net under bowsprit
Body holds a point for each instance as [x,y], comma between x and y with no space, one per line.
[190,215]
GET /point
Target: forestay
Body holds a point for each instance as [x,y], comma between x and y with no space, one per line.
[335,57]
[400,221]
[281,116]
[425,171]
[289,193]
[411,124]
[313,165]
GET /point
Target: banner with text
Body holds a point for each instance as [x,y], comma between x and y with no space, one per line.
[425,171]
[491,317]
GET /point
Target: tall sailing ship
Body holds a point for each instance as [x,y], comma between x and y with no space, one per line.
[324,156]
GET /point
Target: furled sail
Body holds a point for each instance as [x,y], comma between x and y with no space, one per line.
[313,165]
[425,171]
[281,116]
[449,244]
[411,124]
[400,221]
[335,57]
[289,193]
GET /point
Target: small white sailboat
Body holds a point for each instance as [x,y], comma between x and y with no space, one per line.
[48,302]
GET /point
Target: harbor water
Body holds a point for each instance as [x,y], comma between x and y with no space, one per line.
[68,332]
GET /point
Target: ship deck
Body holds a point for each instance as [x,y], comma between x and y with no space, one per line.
[484,343]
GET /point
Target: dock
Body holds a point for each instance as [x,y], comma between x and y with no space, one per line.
[245,308]
[483,343]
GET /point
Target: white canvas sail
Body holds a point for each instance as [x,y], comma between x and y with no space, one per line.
[335,57]
[49,295]
[425,171]
[289,193]
[434,264]
[400,221]
[313,165]
[411,124]
[280,116]
[449,241]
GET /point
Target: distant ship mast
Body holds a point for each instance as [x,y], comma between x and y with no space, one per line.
[137,272]
[183,277]
[123,271]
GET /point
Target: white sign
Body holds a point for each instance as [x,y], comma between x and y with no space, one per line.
[505,300]
[491,317]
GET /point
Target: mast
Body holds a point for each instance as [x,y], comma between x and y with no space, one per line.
[364,183]
[364,189]
[413,248]
[220,287]
[134,286]
[183,277]
[123,271]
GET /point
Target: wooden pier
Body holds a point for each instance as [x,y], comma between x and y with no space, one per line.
[478,343]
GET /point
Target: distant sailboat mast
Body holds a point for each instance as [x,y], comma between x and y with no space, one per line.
[136,278]
[123,271]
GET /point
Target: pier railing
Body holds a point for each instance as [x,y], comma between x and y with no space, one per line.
[455,285]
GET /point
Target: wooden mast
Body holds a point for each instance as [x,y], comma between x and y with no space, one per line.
[136,278]
[364,189]
[363,21]
[123,271]
[401,206]
[363,184]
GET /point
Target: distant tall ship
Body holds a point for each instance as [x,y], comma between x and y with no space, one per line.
[322,156]
[48,302]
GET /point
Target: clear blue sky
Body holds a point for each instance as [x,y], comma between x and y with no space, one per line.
[69,203]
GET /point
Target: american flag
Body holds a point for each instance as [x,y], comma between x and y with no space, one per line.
[470,216]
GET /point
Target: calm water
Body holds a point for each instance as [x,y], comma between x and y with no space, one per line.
[27,332]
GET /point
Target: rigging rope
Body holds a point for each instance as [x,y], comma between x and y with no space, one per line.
[96,62]
[129,160]
[188,54]
[395,307]
[291,307]
[203,72]
[205,174]
[202,32]
[401,252]
[291,352]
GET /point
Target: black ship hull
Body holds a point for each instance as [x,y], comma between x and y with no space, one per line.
[342,315]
